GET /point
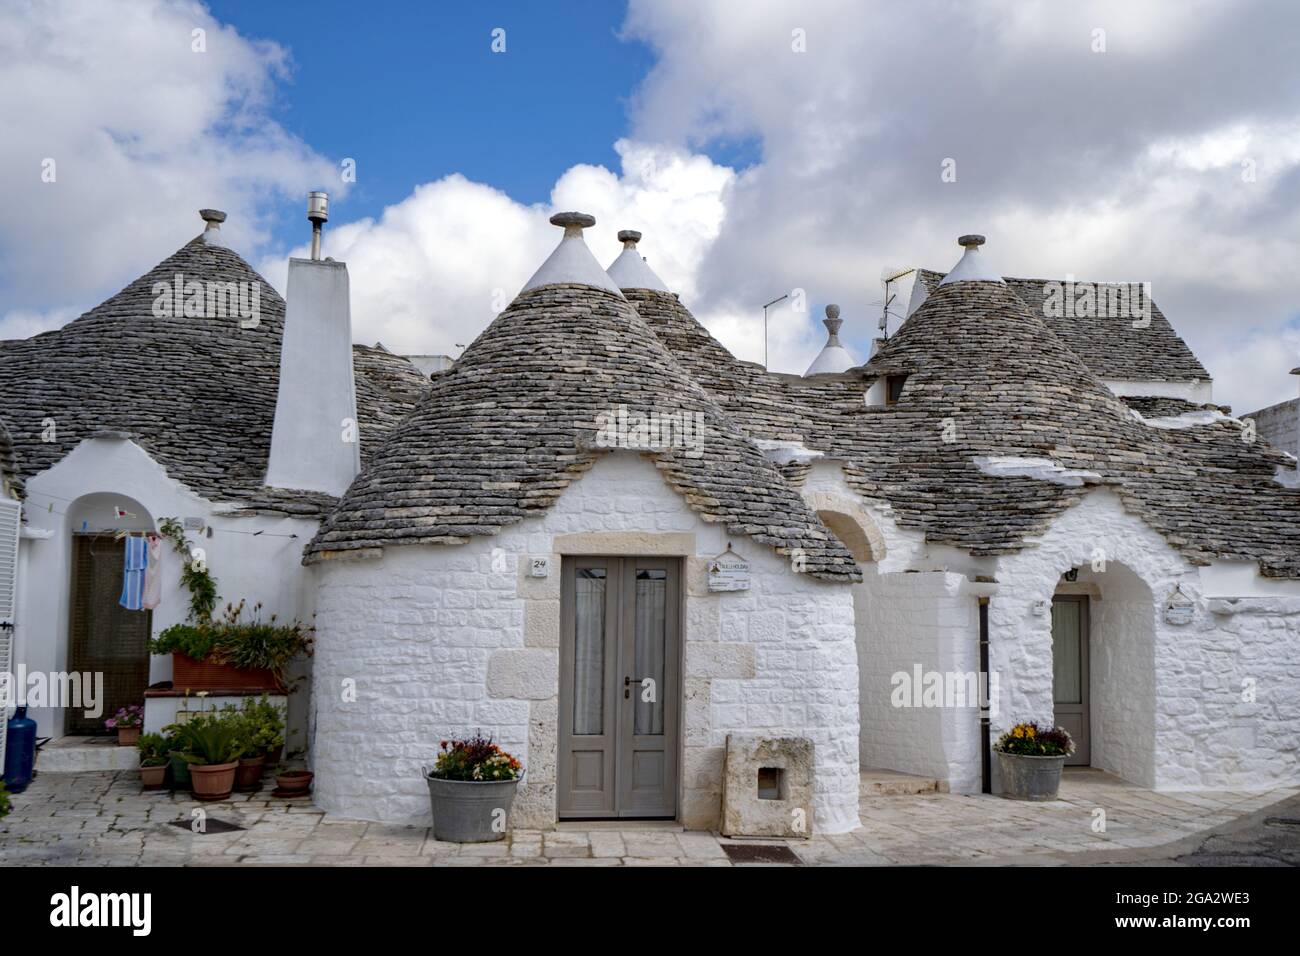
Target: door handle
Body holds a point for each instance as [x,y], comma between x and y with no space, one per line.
[627,685]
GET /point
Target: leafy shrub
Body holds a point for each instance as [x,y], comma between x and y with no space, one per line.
[239,643]
[207,739]
[4,800]
[477,758]
[259,724]
[154,749]
[1031,740]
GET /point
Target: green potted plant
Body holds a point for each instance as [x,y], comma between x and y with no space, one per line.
[232,652]
[1030,760]
[261,726]
[177,766]
[211,749]
[153,760]
[471,790]
[128,721]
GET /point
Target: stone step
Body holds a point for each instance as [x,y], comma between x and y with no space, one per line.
[891,783]
[84,754]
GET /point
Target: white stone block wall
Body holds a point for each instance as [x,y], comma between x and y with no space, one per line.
[1176,716]
[443,641]
[924,619]
[85,486]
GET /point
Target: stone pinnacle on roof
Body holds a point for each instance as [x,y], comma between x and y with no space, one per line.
[212,232]
[833,357]
[630,270]
[972,267]
[572,262]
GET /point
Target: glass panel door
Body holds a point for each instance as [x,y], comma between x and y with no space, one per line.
[650,622]
[589,651]
[1067,683]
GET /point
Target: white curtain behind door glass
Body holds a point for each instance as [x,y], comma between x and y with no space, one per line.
[651,601]
[589,651]
[1066,684]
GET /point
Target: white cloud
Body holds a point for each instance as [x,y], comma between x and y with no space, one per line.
[1117,165]
[140,127]
[436,268]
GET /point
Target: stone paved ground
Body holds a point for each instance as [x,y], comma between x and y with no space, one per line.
[103,819]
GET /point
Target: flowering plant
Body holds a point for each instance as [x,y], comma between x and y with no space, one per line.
[477,758]
[1031,740]
[127,718]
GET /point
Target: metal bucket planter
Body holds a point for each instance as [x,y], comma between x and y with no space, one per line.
[1029,778]
[466,811]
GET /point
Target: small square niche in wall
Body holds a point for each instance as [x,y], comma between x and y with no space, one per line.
[771,781]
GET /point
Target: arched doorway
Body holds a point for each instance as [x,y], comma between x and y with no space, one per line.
[1103,668]
[106,640]
[855,529]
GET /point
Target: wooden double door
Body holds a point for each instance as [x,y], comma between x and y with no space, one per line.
[620,680]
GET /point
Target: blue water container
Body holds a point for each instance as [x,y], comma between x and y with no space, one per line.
[20,751]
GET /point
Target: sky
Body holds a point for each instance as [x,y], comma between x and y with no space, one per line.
[761,147]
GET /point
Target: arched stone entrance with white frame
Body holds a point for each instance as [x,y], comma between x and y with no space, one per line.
[846,518]
[1075,639]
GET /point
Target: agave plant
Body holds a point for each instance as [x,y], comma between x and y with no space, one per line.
[210,741]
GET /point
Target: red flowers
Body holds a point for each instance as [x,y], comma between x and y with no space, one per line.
[477,758]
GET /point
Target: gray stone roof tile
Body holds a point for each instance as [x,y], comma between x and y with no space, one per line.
[500,436]
[197,393]
[1110,346]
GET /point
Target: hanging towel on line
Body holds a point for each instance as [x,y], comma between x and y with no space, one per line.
[137,561]
[153,574]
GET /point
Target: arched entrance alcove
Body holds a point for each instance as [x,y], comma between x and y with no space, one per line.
[1103,625]
[105,639]
[856,530]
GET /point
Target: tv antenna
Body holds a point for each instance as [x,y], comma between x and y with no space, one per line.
[765,308]
[890,275]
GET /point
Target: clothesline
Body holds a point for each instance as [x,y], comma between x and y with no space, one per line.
[215,530]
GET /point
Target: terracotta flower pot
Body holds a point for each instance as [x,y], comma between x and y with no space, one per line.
[152,777]
[189,674]
[249,775]
[213,781]
[293,782]
[128,736]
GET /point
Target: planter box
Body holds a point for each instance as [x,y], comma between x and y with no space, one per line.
[465,811]
[1029,778]
[192,675]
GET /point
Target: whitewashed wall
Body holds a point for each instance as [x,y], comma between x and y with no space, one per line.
[443,641]
[84,486]
[1198,731]
[907,616]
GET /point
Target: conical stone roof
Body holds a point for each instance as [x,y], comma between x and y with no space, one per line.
[526,410]
[197,392]
[1001,427]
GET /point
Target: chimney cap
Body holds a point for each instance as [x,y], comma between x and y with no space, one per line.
[832,311]
[212,215]
[629,235]
[571,219]
[318,206]
[974,239]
